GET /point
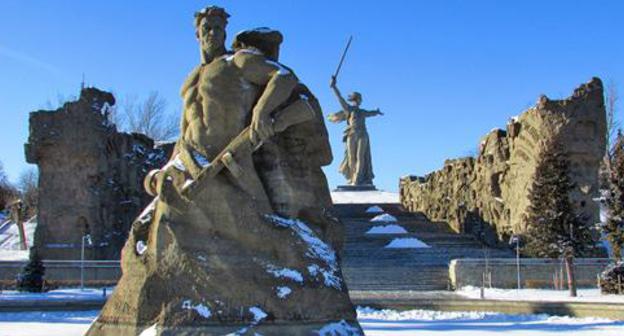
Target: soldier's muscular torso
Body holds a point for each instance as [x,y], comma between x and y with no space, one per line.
[217,106]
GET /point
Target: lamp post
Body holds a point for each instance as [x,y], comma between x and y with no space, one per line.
[86,238]
[515,239]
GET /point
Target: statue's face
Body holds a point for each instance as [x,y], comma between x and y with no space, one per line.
[355,99]
[211,34]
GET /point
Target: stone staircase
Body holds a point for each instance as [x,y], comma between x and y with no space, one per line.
[367,265]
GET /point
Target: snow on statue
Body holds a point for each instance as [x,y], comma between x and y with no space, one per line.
[238,239]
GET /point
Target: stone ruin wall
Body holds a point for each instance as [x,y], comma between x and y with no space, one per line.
[488,195]
[90,177]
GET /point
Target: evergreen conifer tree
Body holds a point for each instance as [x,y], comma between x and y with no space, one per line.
[555,230]
[614,227]
[553,227]
[31,278]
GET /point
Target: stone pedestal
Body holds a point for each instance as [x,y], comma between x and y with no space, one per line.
[365,187]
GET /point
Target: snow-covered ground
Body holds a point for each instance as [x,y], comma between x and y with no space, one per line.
[584,295]
[374,322]
[58,294]
[364,197]
[10,241]
[71,323]
[13,255]
[427,322]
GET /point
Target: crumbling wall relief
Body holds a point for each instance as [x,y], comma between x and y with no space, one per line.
[490,192]
[90,177]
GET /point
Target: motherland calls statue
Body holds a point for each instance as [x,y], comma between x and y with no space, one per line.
[357,166]
[236,239]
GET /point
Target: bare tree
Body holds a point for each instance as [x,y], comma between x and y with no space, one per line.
[149,117]
[613,124]
[8,193]
[28,187]
[61,99]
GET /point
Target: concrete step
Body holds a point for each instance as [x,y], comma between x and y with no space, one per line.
[368,265]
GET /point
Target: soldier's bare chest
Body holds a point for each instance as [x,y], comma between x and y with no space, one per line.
[219,80]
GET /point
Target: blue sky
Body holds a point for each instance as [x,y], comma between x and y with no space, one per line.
[444,72]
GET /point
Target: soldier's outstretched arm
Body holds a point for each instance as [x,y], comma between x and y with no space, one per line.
[372,113]
[278,82]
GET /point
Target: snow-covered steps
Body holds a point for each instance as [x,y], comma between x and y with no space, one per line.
[407,243]
[420,263]
[392,229]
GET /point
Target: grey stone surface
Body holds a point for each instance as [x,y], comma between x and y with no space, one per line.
[534,273]
[90,177]
[487,195]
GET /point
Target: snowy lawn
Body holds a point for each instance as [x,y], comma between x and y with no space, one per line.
[9,234]
[72,323]
[57,294]
[13,255]
[584,295]
[427,322]
[374,322]
[10,243]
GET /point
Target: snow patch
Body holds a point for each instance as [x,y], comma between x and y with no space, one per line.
[285,273]
[63,294]
[549,295]
[283,292]
[281,70]
[258,314]
[146,216]
[175,162]
[14,255]
[386,218]
[199,308]
[141,247]
[387,229]
[341,328]
[187,183]
[329,278]
[200,159]
[317,249]
[374,209]
[366,313]
[364,197]
[401,243]
[151,331]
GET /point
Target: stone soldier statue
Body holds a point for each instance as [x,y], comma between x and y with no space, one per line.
[289,164]
[357,165]
[221,250]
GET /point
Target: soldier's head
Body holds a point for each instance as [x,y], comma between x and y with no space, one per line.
[264,39]
[210,24]
[355,97]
